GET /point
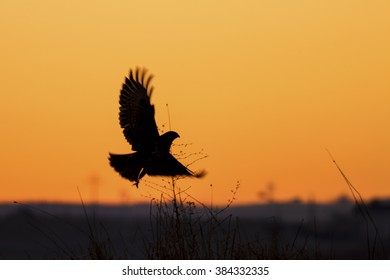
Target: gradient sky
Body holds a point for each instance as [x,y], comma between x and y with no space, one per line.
[262,87]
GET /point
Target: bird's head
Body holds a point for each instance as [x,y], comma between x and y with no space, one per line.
[166,139]
[169,136]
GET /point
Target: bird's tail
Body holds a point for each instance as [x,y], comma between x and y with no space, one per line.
[128,166]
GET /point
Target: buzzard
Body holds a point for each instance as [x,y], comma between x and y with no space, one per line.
[152,151]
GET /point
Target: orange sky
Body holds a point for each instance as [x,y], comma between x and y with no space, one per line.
[263,87]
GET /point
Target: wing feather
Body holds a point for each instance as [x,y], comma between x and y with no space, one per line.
[136,113]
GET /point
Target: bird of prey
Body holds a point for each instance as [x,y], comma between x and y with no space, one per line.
[151,154]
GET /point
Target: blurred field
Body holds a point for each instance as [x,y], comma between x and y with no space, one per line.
[184,230]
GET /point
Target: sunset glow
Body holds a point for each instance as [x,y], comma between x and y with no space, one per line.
[263,88]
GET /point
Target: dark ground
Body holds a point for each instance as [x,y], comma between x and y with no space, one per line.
[280,231]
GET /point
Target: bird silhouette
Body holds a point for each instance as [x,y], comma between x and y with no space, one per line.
[151,151]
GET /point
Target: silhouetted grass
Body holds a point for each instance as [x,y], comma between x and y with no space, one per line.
[185,228]
[182,227]
[372,250]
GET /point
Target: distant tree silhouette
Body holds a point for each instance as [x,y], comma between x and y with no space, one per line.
[152,151]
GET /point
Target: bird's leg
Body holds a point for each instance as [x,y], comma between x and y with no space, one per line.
[140,175]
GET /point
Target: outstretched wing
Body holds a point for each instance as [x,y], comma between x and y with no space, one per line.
[136,113]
